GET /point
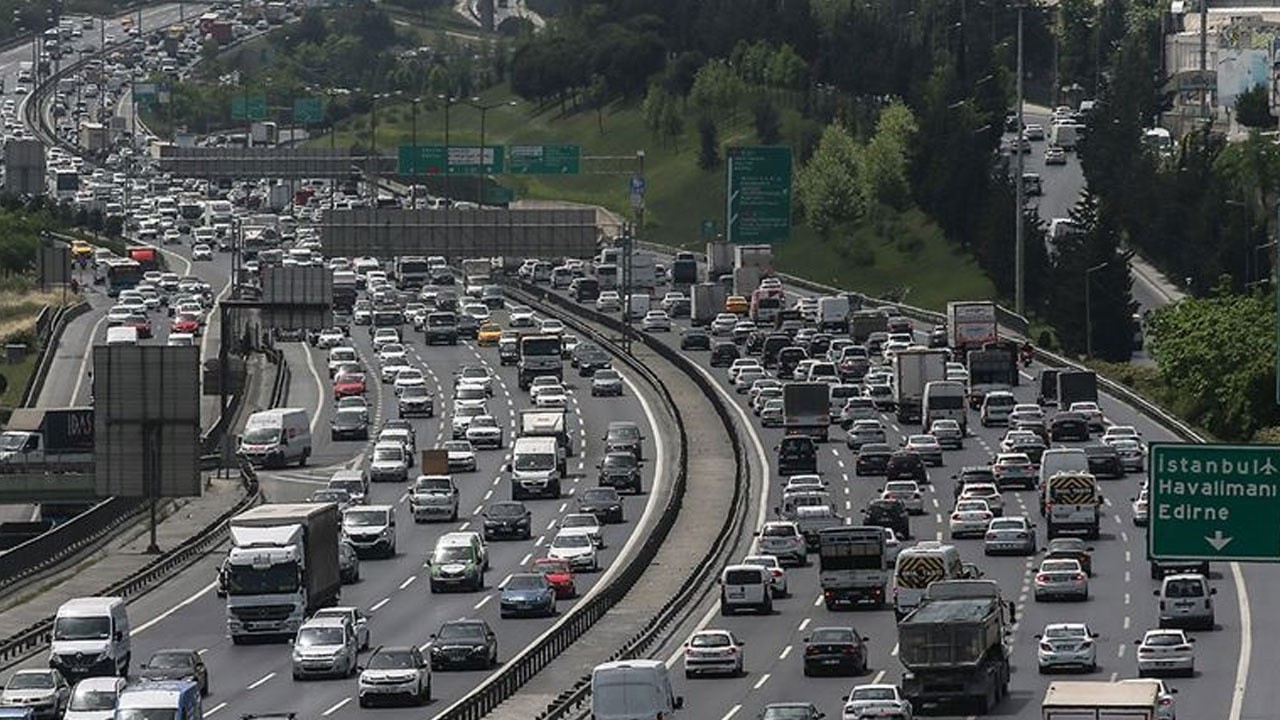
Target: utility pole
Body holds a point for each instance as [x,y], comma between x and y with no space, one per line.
[1019,242]
[1204,58]
[1088,308]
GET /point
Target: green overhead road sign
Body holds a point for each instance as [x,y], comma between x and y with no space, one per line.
[759,194]
[253,107]
[1214,502]
[453,160]
[308,111]
[544,159]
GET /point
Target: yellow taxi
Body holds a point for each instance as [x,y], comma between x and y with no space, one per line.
[489,333]
[736,304]
[81,250]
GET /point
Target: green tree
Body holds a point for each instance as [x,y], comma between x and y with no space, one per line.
[887,157]
[1253,108]
[597,98]
[716,90]
[827,185]
[767,121]
[787,69]
[708,143]
[672,124]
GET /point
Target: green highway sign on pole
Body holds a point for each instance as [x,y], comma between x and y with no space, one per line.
[759,194]
[308,111]
[1214,502]
[252,107]
[454,160]
[544,159]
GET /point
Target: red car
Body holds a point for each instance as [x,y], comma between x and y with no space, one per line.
[141,323]
[186,324]
[347,384]
[559,574]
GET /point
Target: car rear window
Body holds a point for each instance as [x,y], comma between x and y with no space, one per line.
[1184,589]
[743,577]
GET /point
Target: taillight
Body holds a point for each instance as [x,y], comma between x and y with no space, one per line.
[1166,701]
[1079,577]
[955,516]
[1041,579]
[811,650]
[848,650]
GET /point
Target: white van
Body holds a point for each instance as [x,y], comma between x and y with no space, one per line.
[918,566]
[534,468]
[1064,135]
[91,638]
[638,305]
[122,335]
[946,399]
[277,437]
[746,587]
[181,340]
[631,689]
[1061,460]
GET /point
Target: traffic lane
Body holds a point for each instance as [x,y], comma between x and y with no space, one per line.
[505,555]
[73,356]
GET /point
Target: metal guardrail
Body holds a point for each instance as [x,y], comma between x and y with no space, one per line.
[23,644]
[280,386]
[534,658]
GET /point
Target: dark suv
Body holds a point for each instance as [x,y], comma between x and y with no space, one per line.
[891,514]
[797,455]
[905,464]
[621,471]
[723,354]
[873,459]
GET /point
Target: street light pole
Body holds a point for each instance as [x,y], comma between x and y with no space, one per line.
[1088,308]
[1019,241]
[481,176]
[449,101]
[413,141]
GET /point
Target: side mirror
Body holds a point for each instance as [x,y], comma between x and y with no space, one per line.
[119,635]
[359,668]
[1155,593]
[1091,634]
[679,703]
[1213,591]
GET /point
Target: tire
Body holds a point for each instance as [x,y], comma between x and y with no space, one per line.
[725,610]
[363,702]
[302,461]
[688,674]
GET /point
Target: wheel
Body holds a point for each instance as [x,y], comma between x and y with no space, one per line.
[807,671]
[302,461]
[1042,669]
[364,703]
[688,674]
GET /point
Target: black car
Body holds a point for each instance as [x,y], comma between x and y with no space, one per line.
[1104,461]
[887,513]
[603,502]
[592,360]
[680,308]
[1070,548]
[620,470]
[508,352]
[508,519]
[579,350]
[491,296]
[772,344]
[624,436]
[468,326]
[797,455]
[695,339]
[873,459]
[349,424]
[977,474]
[906,465]
[464,644]
[1069,426]
[836,651]
[755,343]
[723,354]
[938,337]
[176,665]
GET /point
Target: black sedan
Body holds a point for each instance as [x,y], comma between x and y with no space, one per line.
[695,339]
[349,424]
[621,471]
[905,464]
[1069,426]
[974,474]
[723,354]
[835,650]
[464,644]
[508,519]
[176,665]
[1104,461]
[1070,548]
[873,459]
[603,502]
[888,513]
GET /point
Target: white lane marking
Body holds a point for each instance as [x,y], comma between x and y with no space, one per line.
[260,681]
[879,676]
[732,711]
[785,652]
[88,355]
[378,605]
[214,709]
[1246,643]
[336,707]
[539,541]
[408,581]
[155,620]
[760,683]
[1126,598]
[483,601]
[804,624]
[504,582]
[526,559]
[315,374]
[1126,622]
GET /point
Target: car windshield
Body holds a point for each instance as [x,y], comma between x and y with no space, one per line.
[1049,566]
[1064,631]
[388,454]
[1163,639]
[31,681]
[527,462]
[461,631]
[170,660]
[778,531]
[431,485]
[392,660]
[364,518]
[710,640]
[526,582]
[570,541]
[457,446]
[261,435]
[413,391]
[580,520]
[607,375]
[624,432]
[335,496]
[82,628]
[600,495]
[89,699]
[1006,524]
[787,713]
[314,636]
[971,506]
[351,487]
[452,554]
[350,416]
[1183,589]
[873,693]
[620,461]
[831,636]
[506,510]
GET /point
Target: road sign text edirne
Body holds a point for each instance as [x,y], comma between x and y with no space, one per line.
[1214,502]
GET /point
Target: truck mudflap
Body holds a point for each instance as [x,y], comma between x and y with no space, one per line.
[982,686]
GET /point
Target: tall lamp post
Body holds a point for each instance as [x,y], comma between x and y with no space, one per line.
[449,101]
[372,163]
[413,142]
[1019,242]
[484,110]
[1088,307]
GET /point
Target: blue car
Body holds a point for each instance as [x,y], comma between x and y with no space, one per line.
[528,594]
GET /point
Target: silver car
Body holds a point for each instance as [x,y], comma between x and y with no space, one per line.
[1061,579]
[927,447]
[1009,535]
[863,432]
[395,673]
[324,647]
[44,691]
[948,433]
[1067,645]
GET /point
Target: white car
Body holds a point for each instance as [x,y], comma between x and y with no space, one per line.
[393,354]
[1097,421]
[485,431]
[554,396]
[395,672]
[409,377]
[551,326]
[776,571]
[672,299]
[907,492]
[1166,651]
[330,338]
[609,301]
[656,321]
[461,455]
[389,373]
[783,540]
[892,546]
[1066,645]
[541,382]
[586,523]
[576,547]
[869,701]
[1116,432]
[713,651]
[723,324]
[741,364]
[970,518]
[475,375]
[520,316]
[986,492]
[746,377]
[201,252]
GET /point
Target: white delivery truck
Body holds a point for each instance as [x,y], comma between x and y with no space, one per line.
[833,314]
[970,325]
[913,370]
[1100,700]
[630,689]
[277,437]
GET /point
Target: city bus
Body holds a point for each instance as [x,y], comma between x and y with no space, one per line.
[122,274]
